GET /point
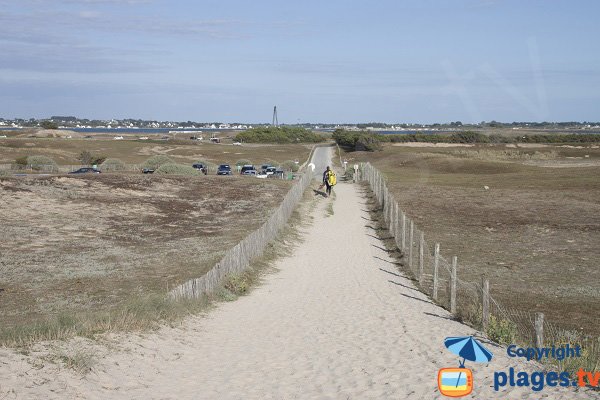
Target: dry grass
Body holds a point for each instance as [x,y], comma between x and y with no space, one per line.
[534,232]
[66,151]
[98,253]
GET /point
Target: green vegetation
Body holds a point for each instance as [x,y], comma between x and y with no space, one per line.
[21,162]
[48,125]
[177,169]
[243,162]
[42,163]
[112,164]
[155,162]
[290,165]
[358,141]
[88,158]
[501,330]
[369,141]
[282,134]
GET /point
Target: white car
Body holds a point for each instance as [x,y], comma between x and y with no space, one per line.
[237,143]
[118,138]
[262,175]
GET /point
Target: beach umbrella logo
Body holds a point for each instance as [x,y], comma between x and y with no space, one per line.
[458,382]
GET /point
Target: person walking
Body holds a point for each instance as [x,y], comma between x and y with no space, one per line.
[329,180]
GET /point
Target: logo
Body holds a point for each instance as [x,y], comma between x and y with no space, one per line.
[458,382]
[455,382]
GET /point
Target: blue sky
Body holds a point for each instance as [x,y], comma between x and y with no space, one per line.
[419,61]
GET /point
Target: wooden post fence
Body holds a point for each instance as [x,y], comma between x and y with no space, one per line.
[403,248]
[410,244]
[436,265]
[539,330]
[453,285]
[485,302]
[421,256]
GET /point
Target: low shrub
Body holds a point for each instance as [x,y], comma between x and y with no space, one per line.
[290,165]
[281,134]
[242,162]
[177,169]
[42,163]
[112,164]
[155,162]
[21,161]
[88,158]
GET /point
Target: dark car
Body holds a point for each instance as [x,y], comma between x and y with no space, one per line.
[147,171]
[265,166]
[198,166]
[278,173]
[248,170]
[224,169]
[86,170]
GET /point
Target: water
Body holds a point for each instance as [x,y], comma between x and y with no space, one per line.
[131,131]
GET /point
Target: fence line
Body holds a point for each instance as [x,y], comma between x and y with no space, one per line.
[238,258]
[468,301]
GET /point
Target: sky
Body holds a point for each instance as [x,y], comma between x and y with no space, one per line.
[328,61]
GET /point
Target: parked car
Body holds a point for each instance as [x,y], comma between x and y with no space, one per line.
[248,170]
[224,169]
[86,170]
[198,166]
[262,175]
[278,173]
[270,170]
[265,166]
[147,171]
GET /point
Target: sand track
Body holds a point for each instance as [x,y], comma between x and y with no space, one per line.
[337,321]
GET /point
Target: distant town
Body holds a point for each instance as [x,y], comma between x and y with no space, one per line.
[61,122]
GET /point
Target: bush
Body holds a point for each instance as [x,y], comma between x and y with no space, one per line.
[48,125]
[359,141]
[42,163]
[4,173]
[21,161]
[283,134]
[155,162]
[501,330]
[177,169]
[242,162]
[88,158]
[469,137]
[367,143]
[290,165]
[112,164]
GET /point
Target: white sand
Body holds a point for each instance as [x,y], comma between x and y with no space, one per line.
[336,322]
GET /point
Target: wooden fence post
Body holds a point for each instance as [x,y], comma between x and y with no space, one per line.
[453,285]
[539,330]
[393,218]
[436,265]
[421,257]
[403,247]
[485,302]
[410,244]
[396,225]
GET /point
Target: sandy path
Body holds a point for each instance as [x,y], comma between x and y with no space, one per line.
[336,322]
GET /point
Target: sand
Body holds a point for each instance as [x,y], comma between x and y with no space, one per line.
[337,321]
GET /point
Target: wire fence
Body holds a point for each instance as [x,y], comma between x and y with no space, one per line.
[468,301]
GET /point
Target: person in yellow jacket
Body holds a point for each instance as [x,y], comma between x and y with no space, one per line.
[329,180]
